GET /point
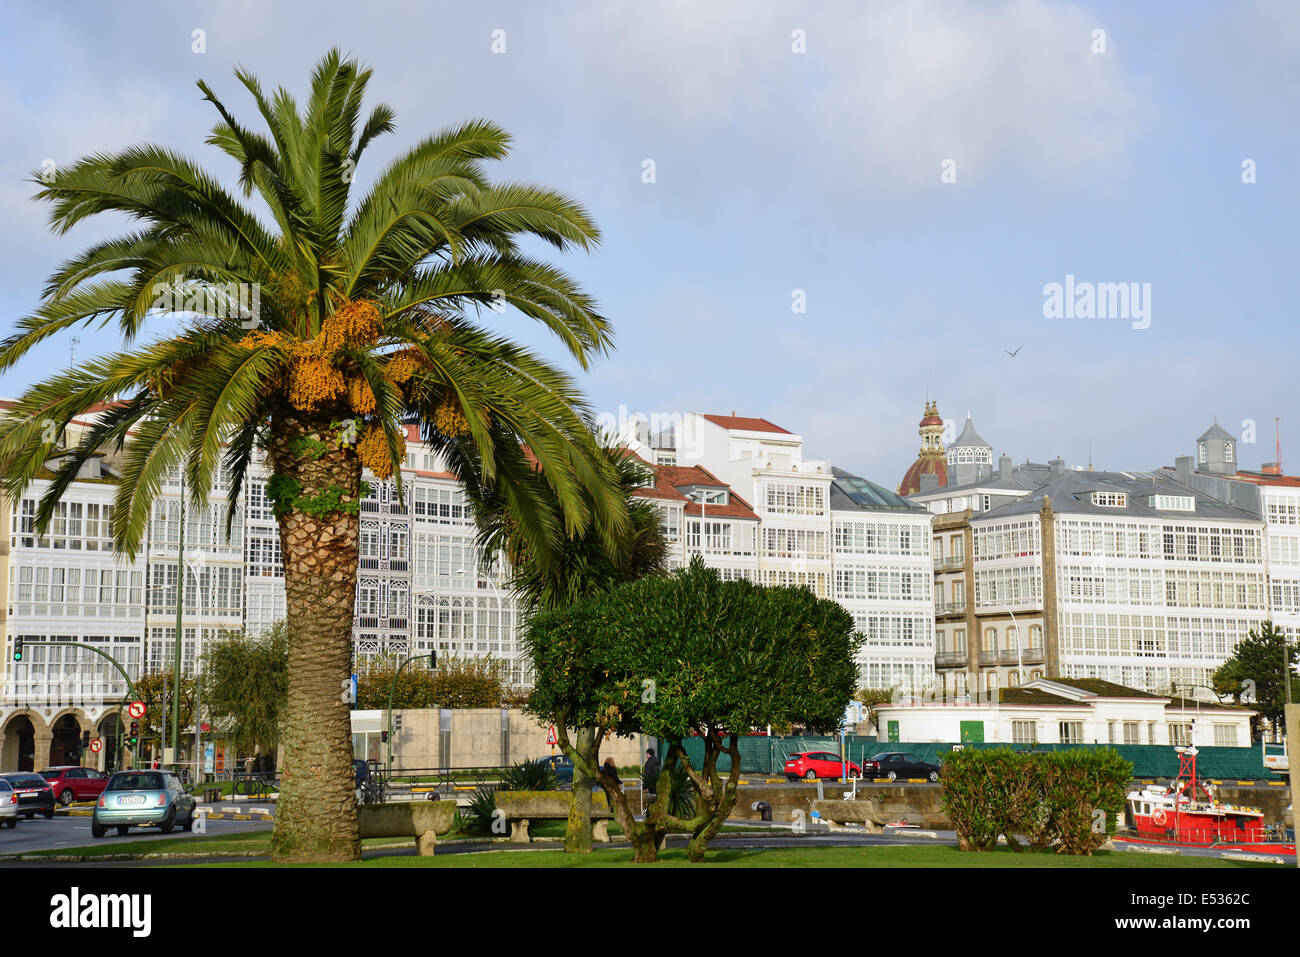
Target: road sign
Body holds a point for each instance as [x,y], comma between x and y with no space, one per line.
[136,709]
[96,745]
[551,738]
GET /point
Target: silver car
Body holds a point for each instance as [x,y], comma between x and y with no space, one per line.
[8,804]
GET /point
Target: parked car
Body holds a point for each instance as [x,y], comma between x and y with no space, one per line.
[145,799]
[34,793]
[8,804]
[892,765]
[562,767]
[811,765]
[72,783]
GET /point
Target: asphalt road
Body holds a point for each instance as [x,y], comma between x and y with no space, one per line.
[38,834]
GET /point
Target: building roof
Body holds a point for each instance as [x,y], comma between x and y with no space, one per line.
[745,424]
[851,492]
[924,465]
[1192,704]
[969,437]
[671,479]
[1103,689]
[1071,492]
[1035,696]
[1217,431]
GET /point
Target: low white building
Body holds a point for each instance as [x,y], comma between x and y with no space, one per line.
[1066,711]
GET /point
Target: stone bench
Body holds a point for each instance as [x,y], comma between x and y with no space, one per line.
[875,812]
[422,820]
[521,808]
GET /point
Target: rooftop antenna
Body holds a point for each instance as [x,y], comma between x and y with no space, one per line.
[1277,443]
[73,349]
[1090,455]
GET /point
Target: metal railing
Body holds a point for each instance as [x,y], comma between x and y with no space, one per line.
[950,608]
[988,657]
[951,658]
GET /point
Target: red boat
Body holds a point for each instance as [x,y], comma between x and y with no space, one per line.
[1189,814]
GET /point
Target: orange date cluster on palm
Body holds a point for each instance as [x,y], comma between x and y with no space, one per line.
[372,450]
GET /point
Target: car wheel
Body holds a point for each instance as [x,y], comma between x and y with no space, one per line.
[123,828]
[855,775]
[810,775]
[49,815]
[189,822]
[65,797]
[934,775]
[29,814]
[97,829]
[169,822]
[892,775]
[792,777]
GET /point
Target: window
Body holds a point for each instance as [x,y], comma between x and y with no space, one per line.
[1110,499]
[1132,732]
[1024,732]
[990,639]
[1225,735]
[1180,735]
[959,639]
[1173,503]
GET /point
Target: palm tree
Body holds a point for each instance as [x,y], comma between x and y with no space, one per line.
[315,335]
[550,578]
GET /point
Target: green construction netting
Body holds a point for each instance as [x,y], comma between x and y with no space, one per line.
[763,755]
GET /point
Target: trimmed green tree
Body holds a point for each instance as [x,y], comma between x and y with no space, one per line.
[583,565]
[685,656]
[1254,675]
[245,686]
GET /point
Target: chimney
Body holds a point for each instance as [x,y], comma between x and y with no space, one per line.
[1057,466]
[1004,466]
[1183,467]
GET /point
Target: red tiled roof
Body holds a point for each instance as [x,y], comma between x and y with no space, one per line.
[911,483]
[746,424]
[1269,478]
[670,478]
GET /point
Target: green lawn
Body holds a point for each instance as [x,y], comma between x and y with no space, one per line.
[919,856]
[258,842]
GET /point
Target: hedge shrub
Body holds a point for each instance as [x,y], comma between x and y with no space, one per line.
[1051,800]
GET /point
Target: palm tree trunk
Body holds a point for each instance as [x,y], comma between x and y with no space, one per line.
[316,815]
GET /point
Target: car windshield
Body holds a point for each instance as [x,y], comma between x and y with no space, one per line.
[136,781]
[51,775]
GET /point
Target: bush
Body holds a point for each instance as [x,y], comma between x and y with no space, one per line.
[478,815]
[1064,799]
[529,776]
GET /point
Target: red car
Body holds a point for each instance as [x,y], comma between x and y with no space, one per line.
[811,765]
[72,783]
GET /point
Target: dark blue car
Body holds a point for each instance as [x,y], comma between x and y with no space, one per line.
[562,767]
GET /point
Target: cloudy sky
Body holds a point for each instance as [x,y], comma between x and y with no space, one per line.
[916,173]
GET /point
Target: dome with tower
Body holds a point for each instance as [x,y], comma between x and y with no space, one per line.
[931,461]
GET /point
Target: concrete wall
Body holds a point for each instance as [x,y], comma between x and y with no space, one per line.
[476,738]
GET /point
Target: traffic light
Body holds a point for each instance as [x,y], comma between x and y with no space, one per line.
[18,648]
[85,740]
[397,722]
[134,739]
[433,659]
[383,736]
